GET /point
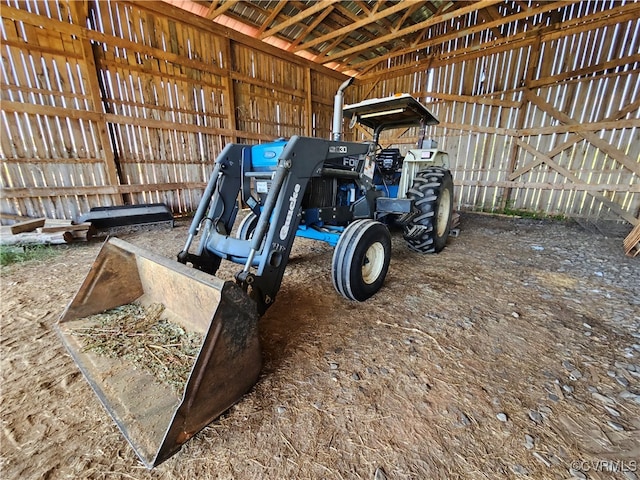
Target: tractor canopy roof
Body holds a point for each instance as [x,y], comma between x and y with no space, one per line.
[397,111]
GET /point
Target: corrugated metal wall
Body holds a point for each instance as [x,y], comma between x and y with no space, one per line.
[549,126]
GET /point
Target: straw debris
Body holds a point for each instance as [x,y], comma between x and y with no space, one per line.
[141,336]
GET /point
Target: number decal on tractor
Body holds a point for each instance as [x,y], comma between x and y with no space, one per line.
[338,149]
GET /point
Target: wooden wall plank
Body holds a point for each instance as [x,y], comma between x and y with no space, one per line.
[168,90]
[582,114]
[137,108]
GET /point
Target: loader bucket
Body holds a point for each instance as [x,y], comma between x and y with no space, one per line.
[155,417]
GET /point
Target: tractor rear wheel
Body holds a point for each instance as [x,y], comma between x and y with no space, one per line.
[432,192]
[361,259]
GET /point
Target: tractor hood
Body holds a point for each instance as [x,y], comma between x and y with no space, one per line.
[398,111]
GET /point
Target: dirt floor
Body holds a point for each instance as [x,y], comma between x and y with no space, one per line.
[514,353]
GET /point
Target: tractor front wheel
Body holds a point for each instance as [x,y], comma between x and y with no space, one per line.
[432,192]
[361,259]
[247,226]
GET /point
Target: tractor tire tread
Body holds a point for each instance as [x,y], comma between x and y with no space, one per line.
[421,234]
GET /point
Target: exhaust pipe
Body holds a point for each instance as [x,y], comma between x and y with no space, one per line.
[337,110]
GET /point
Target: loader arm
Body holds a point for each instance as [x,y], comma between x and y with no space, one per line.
[265,256]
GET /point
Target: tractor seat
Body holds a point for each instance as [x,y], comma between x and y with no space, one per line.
[389,159]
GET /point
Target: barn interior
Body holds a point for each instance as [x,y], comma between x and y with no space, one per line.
[513,352]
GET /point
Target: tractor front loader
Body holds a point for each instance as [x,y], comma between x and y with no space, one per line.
[344,193]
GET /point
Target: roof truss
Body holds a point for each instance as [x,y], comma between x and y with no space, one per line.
[354,36]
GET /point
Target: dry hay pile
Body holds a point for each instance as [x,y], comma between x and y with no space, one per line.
[140,335]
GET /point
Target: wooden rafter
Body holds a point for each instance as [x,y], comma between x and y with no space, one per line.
[386,30]
[345,12]
[272,16]
[351,28]
[410,11]
[319,19]
[468,31]
[383,21]
[218,8]
[490,15]
[525,39]
[318,6]
[336,42]
[364,7]
[412,29]
[353,18]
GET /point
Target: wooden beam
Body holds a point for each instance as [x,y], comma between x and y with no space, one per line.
[346,13]
[48,192]
[483,100]
[351,28]
[521,116]
[318,20]
[164,9]
[440,39]
[184,78]
[413,28]
[384,21]
[27,225]
[308,103]
[615,15]
[336,42]
[477,128]
[56,25]
[590,70]
[65,228]
[572,140]
[439,61]
[592,138]
[274,14]
[365,7]
[410,11]
[125,120]
[580,128]
[317,6]
[20,44]
[214,11]
[15,217]
[42,91]
[488,15]
[579,186]
[614,207]
[80,13]
[230,97]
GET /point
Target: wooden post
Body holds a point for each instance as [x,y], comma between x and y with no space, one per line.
[230,97]
[513,153]
[308,102]
[80,11]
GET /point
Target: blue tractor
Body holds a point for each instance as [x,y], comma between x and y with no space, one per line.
[343,193]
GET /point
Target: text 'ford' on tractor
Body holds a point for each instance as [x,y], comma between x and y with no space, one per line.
[342,193]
